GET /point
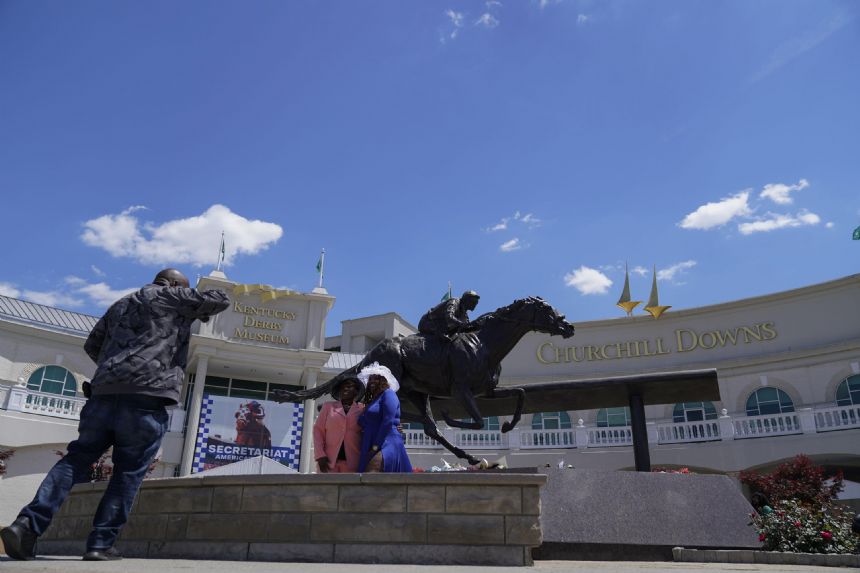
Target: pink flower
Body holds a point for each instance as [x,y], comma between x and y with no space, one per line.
[761,536]
[827,535]
[797,524]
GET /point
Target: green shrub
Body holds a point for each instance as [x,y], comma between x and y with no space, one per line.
[803,528]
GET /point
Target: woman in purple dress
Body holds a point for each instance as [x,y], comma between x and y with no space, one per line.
[382,448]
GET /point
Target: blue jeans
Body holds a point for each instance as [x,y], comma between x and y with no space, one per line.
[134,425]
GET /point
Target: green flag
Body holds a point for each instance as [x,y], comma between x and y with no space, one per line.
[856,235]
[446,296]
[319,264]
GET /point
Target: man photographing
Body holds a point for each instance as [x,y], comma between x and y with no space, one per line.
[140,347]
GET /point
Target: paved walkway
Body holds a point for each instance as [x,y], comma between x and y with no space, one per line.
[75,565]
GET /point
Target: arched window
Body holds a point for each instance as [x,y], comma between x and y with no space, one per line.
[693,412]
[54,380]
[551,421]
[848,391]
[608,417]
[766,401]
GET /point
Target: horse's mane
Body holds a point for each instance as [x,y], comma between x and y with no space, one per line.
[504,310]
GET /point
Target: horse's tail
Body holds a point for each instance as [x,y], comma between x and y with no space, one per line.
[317,391]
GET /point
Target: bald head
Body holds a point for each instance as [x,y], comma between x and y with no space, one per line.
[170,277]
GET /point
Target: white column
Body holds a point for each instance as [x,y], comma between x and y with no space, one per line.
[193,415]
[306,461]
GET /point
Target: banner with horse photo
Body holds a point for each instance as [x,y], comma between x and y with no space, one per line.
[234,429]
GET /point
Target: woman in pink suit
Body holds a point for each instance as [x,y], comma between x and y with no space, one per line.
[337,435]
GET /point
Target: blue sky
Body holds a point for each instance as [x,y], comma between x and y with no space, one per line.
[514,148]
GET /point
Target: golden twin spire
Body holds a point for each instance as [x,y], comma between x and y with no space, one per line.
[653,307]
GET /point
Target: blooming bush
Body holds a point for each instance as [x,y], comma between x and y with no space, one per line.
[671,471]
[799,527]
[797,479]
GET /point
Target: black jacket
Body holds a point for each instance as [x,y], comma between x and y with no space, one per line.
[140,345]
[447,317]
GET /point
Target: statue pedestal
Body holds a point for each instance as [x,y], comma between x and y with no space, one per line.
[617,515]
[434,518]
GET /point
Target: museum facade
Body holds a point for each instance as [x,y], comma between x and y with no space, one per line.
[788,365]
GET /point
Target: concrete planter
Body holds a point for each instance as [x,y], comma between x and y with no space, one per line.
[765,557]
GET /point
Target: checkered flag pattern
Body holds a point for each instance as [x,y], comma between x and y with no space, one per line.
[295,437]
[202,433]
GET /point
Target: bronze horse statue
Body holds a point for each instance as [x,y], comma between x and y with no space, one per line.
[465,367]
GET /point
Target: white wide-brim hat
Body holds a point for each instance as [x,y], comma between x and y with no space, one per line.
[379,370]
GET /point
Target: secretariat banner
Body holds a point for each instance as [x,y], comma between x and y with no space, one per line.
[234,429]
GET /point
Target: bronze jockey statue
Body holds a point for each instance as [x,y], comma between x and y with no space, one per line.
[449,317]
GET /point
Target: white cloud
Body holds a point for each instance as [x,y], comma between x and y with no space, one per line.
[797,46]
[639,270]
[102,294]
[712,215]
[97,271]
[830,224]
[500,226]
[512,245]
[582,19]
[8,289]
[776,221]
[780,192]
[490,4]
[193,240]
[588,281]
[51,298]
[528,219]
[487,20]
[669,273]
[455,17]
[544,3]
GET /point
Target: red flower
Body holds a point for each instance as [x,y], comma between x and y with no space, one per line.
[797,524]
[827,535]
[761,536]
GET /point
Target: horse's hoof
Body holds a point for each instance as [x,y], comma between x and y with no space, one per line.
[507,427]
[484,464]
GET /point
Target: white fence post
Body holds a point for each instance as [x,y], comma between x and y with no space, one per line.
[514,439]
[651,430]
[807,420]
[727,428]
[581,435]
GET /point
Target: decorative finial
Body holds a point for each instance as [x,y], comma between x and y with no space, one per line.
[625,302]
[653,307]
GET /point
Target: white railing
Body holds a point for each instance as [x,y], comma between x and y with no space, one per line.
[682,432]
[837,418]
[769,425]
[615,436]
[418,439]
[480,439]
[20,399]
[548,439]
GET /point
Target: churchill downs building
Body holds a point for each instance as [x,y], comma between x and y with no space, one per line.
[788,366]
